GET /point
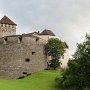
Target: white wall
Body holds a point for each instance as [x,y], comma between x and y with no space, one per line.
[46,37]
[65,58]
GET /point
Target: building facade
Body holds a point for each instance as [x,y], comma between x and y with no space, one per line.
[23,54]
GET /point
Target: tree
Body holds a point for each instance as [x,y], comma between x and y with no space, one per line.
[78,73]
[55,49]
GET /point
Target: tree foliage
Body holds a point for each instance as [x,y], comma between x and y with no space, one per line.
[55,49]
[78,73]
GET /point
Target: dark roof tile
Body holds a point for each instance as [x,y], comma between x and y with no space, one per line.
[47,32]
[6,20]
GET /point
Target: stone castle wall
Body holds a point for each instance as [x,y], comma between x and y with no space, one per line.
[20,56]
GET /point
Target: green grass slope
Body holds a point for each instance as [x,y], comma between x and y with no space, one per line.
[43,80]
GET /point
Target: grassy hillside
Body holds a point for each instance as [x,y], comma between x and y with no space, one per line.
[43,80]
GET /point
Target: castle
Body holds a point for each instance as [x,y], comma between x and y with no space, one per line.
[23,54]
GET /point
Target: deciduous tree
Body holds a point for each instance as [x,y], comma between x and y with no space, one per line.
[55,49]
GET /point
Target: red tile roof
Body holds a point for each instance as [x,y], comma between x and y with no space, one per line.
[6,20]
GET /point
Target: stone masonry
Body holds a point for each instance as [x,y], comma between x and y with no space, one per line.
[23,54]
[19,57]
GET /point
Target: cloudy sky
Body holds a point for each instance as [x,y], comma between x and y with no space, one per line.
[68,19]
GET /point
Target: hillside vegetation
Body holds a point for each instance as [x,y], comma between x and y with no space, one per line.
[43,80]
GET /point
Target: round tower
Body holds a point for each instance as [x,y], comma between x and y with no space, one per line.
[7,27]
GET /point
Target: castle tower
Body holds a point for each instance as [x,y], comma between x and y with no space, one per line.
[47,34]
[7,27]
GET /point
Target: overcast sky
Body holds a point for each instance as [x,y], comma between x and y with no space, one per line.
[68,19]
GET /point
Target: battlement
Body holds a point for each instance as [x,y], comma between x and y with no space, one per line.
[8,26]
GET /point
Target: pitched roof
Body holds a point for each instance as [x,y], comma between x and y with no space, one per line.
[47,32]
[6,20]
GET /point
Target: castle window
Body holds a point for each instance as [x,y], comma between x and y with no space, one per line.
[25,73]
[33,53]
[19,39]
[37,39]
[27,60]
[5,39]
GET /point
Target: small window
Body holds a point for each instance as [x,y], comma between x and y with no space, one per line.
[24,72]
[37,39]
[20,38]
[27,60]
[5,39]
[33,53]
